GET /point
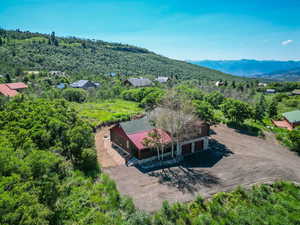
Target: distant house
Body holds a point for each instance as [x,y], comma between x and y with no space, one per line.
[296,92]
[219,83]
[85,84]
[262,84]
[35,72]
[270,91]
[112,74]
[138,82]
[56,73]
[61,86]
[12,89]
[293,118]
[129,137]
[162,79]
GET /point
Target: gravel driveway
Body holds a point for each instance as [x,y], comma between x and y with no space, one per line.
[233,159]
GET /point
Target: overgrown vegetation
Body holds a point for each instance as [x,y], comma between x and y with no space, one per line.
[48,168]
[34,51]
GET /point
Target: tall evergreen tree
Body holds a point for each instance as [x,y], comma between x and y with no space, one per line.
[260,108]
[272,110]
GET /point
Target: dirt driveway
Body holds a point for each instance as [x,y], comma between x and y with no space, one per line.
[233,159]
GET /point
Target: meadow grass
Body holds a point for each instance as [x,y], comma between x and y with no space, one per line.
[107,111]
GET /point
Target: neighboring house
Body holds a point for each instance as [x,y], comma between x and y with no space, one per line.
[138,82]
[35,72]
[12,89]
[85,84]
[293,118]
[262,84]
[61,86]
[270,91]
[296,92]
[57,73]
[129,137]
[219,83]
[162,79]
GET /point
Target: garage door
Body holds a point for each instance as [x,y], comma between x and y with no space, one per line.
[186,149]
[198,146]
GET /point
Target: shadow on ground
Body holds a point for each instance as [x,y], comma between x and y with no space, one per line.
[186,175]
[245,129]
[185,179]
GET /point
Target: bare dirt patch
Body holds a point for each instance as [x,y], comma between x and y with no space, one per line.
[233,159]
[106,155]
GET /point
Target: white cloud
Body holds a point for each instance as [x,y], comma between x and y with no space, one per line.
[286,42]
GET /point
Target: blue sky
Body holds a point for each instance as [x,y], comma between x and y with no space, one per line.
[190,29]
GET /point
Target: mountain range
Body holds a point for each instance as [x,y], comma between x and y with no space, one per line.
[269,69]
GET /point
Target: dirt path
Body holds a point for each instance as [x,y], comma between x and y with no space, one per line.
[107,157]
[233,159]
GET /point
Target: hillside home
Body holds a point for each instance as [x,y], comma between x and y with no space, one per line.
[61,86]
[162,79]
[130,137]
[290,121]
[57,73]
[12,89]
[293,118]
[262,84]
[296,92]
[219,83]
[84,84]
[270,91]
[138,82]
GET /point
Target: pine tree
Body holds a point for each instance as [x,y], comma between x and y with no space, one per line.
[272,110]
[260,109]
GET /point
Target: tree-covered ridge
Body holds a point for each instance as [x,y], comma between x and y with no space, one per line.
[34,51]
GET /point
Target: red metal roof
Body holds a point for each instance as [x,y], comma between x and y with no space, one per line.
[16,86]
[5,90]
[138,138]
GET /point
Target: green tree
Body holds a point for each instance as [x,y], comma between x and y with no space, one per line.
[215,99]
[75,95]
[260,109]
[235,110]
[272,109]
[294,138]
[204,110]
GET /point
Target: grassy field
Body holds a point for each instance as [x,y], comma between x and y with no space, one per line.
[107,111]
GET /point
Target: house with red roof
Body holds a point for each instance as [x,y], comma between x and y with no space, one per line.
[130,137]
[12,89]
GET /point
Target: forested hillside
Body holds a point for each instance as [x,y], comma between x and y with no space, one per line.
[33,51]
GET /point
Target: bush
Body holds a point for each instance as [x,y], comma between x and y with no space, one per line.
[75,95]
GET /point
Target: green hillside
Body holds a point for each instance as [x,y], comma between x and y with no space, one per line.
[34,51]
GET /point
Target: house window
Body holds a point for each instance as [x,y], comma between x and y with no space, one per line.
[127,144]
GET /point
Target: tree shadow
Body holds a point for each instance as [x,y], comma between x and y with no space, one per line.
[185,179]
[188,174]
[245,129]
[207,158]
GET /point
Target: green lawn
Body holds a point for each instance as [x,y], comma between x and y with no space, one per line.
[107,111]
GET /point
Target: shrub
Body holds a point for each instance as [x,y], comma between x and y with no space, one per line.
[75,95]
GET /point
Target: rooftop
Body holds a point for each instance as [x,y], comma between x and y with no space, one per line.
[16,86]
[135,126]
[139,82]
[7,91]
[293,116]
